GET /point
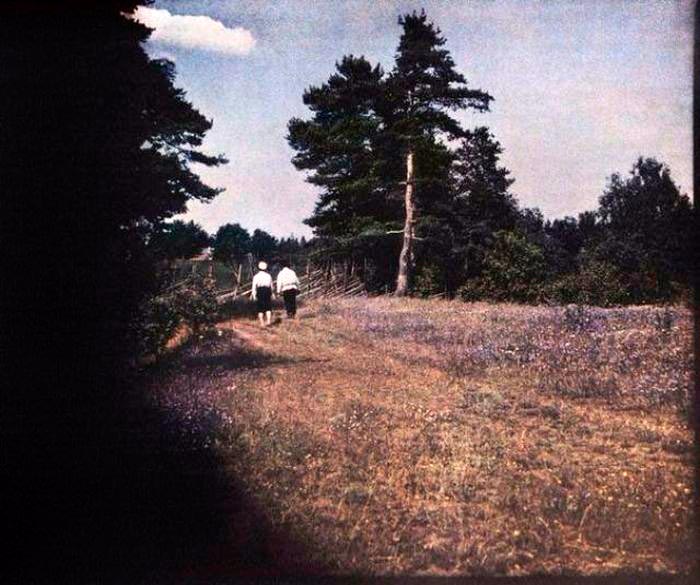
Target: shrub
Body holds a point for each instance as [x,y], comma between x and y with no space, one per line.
[514,270]
[471,291]
[155,324]
[596,283]
[195,302]
[192,302]
[428,281]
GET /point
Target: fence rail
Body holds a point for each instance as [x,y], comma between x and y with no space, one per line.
[315,282]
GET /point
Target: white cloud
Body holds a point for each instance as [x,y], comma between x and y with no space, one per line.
[195,32]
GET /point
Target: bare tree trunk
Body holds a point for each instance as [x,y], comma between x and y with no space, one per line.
[406,257]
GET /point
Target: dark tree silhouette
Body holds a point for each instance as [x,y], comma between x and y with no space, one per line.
[481,205]
[178,239]
[263,245]
[95,146]
[481,184]
[375,144]
[230,243]
[340,145]
[647,216]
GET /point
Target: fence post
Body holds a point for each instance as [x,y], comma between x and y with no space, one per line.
[238,280]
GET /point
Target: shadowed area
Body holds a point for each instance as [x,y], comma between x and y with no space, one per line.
[111,485]
[99,482]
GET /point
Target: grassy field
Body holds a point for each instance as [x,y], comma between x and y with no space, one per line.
[397,436]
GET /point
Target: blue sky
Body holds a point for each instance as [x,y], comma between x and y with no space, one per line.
[581,89]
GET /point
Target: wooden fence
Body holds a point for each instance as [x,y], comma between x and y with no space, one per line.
[315,282]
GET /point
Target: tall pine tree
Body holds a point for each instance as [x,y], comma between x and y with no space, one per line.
[422,89]
[482,203]
[340,146]
[376,144]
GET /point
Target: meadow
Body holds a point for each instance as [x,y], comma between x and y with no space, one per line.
[404,436]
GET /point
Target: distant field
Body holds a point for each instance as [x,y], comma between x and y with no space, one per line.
[431,437]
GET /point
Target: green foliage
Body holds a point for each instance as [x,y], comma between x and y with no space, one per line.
[340,146]
[514,270]
[530,221]
[567,234]
[156,324]
[424,86]
[178,240]
[635,248]
[645,273]
[481,185]
[263,245]
[473,290]
[104,144]
[362,127]
[196,304]
[231,243]
[596,283]
[191,302]
[648,230]
[429,281]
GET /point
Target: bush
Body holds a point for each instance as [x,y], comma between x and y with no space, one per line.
[195,302]
[191,302]
[596,283]
[473,290]
[155,324]
[514,270]
[428,281]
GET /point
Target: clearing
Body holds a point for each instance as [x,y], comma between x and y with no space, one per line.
[400,436]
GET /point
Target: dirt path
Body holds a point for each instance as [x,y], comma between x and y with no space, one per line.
[331,365]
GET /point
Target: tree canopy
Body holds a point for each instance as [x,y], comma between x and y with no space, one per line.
[96,150]
[374,137]
[263,245]
[231,243]
[648,227]
[339,145]
[178,239]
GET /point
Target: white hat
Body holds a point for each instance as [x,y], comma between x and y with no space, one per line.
[262,265]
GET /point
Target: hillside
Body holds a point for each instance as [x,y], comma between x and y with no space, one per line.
[385,436]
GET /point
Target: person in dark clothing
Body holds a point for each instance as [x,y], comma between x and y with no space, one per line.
[288,287]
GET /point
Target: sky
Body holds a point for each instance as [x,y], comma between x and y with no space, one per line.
[581,89]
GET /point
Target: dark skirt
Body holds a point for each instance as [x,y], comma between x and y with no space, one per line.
[263,299]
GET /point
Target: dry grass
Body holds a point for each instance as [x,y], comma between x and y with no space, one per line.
[431,437]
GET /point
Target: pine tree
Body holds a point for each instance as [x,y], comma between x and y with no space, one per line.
[102,142]
[422,89]
[482,203]
[481,184]
[376,145]
[339,144]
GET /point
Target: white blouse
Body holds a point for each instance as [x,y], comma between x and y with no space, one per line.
[260,279]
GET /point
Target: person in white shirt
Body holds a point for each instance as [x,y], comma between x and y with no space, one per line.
[261,293]
[288,287]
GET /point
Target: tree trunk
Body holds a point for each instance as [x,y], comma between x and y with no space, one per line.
[406,258]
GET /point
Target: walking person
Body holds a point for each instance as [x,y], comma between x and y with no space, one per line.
[288,286]
[261,293]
